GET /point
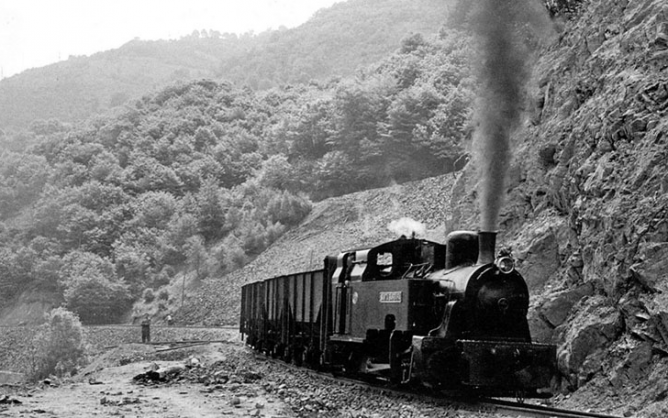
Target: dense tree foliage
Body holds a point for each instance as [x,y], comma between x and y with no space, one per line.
[203,176]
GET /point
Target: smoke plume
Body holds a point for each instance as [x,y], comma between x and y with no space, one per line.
[407,227]
[503,71]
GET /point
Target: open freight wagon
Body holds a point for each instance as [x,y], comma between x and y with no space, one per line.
[282,316]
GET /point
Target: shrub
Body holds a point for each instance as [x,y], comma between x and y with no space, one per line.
[159,280]
[148,295]
[59,347]
[169,271]
[163,294]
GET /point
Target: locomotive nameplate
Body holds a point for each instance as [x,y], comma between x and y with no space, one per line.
[390,297]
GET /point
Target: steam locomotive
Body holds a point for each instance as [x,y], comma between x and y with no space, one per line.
[410,311]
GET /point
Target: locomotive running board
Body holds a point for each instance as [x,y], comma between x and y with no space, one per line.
[376,368]
[347,339]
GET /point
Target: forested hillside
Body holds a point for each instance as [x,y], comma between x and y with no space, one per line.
[198,178]
[335,42]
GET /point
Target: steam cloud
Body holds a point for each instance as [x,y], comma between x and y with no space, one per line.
[503,71]
[407,227]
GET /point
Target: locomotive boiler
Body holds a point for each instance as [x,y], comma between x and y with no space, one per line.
[411,311]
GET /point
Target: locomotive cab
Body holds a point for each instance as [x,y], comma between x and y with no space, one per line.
[379,293]
[403,258]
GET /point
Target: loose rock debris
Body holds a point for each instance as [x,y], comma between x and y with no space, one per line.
[118,402]
[155,374]
[194,371]
[8,400]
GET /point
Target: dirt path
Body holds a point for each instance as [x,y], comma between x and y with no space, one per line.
[109,391]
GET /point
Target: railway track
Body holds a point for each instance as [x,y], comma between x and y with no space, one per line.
[486,405]
[123,326]
[507,408]
[529,410]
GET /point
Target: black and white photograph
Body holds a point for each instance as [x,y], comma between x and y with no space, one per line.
[334,208]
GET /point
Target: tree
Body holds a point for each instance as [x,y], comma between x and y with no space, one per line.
[22,178]
[211,213]
[308,135]
[132,266]
[196,253]
[407,133]
[76,226]
[92,289]
[154,209]
[173,241]
[413,43]
[277,172]
[287,209]
[96,299]
[10,283]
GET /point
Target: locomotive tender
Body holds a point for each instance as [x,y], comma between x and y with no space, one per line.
[450,317]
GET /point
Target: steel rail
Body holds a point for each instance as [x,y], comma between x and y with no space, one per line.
[153,326]
[533,410]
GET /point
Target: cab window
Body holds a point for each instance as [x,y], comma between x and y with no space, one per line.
[384,263]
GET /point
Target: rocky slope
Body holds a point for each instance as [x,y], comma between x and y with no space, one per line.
[585,212]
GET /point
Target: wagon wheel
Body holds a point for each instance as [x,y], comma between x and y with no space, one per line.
[306,357]
[276,351]
[297,356]
[287,354]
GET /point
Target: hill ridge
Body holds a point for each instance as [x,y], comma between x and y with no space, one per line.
[82,86]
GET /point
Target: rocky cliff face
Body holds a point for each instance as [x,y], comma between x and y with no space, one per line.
[587,204]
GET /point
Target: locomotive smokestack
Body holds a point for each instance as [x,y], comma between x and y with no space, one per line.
[486,244]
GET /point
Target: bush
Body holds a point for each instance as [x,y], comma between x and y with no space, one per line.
[163,294]
[59,347]
[159,280]
[148,295]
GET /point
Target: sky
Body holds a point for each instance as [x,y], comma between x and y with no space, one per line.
[35,33]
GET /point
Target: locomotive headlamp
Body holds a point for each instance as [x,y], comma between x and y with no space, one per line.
[505,264]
